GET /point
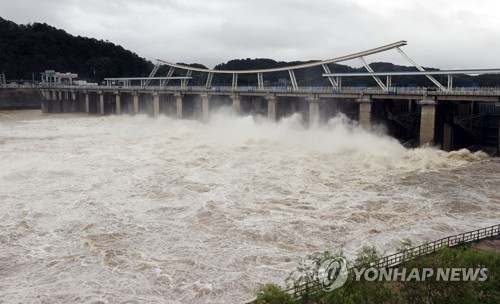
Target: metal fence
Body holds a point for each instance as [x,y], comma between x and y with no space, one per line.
[408,254]
[431,247]
[461,91]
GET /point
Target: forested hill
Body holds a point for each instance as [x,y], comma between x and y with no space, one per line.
[34,48]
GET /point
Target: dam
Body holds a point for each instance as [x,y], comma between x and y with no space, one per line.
[448,117]
[450,120]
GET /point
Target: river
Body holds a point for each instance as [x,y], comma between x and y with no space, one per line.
[123,209]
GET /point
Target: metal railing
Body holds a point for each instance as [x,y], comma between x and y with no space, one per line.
[408,254]
[467,91]
[427,248]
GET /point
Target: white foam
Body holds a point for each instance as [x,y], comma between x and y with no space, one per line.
[138,209]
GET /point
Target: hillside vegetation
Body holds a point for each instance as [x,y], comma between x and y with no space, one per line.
[34,48]
[28,50]
[431,289]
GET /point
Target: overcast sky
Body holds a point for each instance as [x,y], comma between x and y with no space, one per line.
[446,34]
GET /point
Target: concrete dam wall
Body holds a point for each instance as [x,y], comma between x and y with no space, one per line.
[20,98]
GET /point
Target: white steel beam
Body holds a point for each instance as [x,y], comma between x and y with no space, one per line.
[260,81]
[169,74]
[184,82]
[235,81]
[332,80]
[294,67]
[440,86]
[153,72]
[155,69]
[145,78]
[370,70]
[209,80]
[293,79]
[422,73]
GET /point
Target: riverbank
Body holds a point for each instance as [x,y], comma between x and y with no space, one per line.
[467,273]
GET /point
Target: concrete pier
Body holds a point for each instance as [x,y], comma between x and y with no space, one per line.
[205,108]
[67,104]
[156,104]
[236,103]
[313,112]
[44,106]
[178,103]
[135,101]
[447,136]
[118,103]
[56,106]
[427,122]
[271,108]
[101,103]
[365,112]
[86,107]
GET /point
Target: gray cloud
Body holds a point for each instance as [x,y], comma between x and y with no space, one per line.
[440,33]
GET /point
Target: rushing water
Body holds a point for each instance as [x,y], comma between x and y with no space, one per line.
[126,209]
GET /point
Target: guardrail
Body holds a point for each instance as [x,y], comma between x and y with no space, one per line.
[468,91]
[409,254]
[427,248]
[18,86]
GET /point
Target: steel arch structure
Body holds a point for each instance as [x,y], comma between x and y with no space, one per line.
[334,81]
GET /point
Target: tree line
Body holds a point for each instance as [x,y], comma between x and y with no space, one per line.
[27,50]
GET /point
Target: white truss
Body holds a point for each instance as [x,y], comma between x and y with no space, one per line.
[169,74]
[153,72]
[440,86]
[209,80]
[332,80]
[370,70]
[260,81]
[293,79]
[184,82]
[235,81]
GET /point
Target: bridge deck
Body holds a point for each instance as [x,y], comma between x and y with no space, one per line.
[458,94]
